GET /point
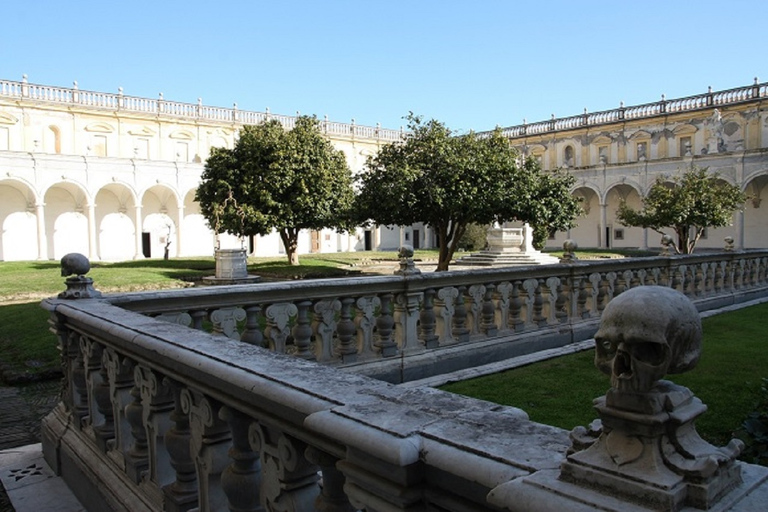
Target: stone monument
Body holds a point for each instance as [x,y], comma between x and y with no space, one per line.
[507,247]
[644,452]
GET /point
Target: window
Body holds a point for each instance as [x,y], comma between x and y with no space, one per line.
[618,234]
[602,153]
[642,150]
[407,236]
[3,138]
[568,156]
[686,148]
[182,152]
[98,145]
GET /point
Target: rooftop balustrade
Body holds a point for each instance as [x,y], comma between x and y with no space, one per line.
[711,99]
[171,109]
[249,397]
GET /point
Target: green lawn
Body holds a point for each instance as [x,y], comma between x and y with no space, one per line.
[728,379]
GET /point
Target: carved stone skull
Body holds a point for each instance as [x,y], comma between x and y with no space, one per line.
[645,333]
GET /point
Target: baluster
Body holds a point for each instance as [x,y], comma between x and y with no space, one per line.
[120,374]
[460,331]
[582,295]
[530,286]
[516,323]
[428,320]
[80,386]
[210,443]
[719,274]
[181,494]
[501,312]
[252,333]
[558,300]
[610,283]
[198,316]
[601,285]
[538,304]
[241,480]
[179,318]
[445,308]
[621,284]
[385,324]
[325,327]
[225,321]
[406,321]
[100,420]
[332,497]
[639,278]
[289,480]
[366,307]
[277,332]
[137,456]
[697,280]
[346,331]
[157,401]
[302,331]
[476,295]
[488,323]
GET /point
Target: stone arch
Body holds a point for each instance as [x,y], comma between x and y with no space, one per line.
[616,234]
[66,219]
[18,222]
[587,231]
[160,221]
[198,239]
[756,211]
[115,222]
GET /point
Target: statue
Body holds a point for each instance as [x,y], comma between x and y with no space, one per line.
[645,448]
[74,266]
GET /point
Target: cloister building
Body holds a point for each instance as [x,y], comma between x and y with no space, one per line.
[114,176]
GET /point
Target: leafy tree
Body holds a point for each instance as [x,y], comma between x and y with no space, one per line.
[475,237]
[449,182]
[695,200]
[277,179]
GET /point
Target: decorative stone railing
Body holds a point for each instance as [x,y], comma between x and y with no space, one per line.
[708,100]
[172,109]
[372,323]
[159,416]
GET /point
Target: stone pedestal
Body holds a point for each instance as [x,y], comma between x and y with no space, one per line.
[231,268]
[508,247]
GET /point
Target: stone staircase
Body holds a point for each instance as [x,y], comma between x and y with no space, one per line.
[507,259]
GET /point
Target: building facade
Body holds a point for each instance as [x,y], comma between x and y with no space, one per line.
[617,155]
[114,177]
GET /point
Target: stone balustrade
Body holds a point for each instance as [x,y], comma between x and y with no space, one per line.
[369,323]
[172,109]
[690,103]
[159,416]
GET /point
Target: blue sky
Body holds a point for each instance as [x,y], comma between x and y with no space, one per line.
[472,65]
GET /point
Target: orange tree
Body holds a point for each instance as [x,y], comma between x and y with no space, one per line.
[693,201]
[277,179]
[450,181]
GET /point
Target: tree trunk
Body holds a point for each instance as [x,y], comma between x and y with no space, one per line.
[290,238]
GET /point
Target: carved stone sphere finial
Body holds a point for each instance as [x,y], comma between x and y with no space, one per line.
[728,243]
[74,264]
[645,333]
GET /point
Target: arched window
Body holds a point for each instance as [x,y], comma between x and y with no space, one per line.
[568,156]
[52,142]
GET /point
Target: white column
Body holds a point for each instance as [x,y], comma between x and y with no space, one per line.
[93,253]
[138,224]
[603,224]
[178,231]
[645,239]
[42,245]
